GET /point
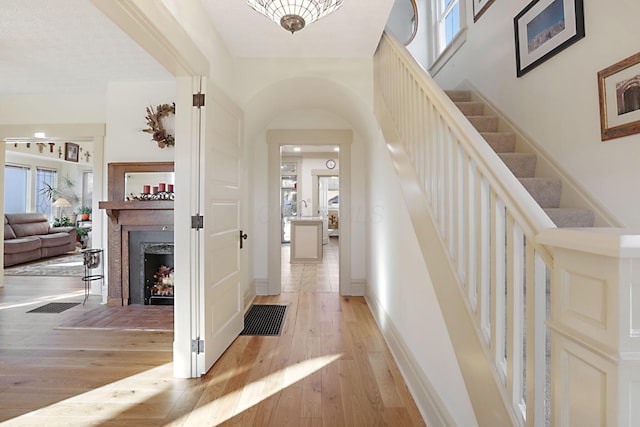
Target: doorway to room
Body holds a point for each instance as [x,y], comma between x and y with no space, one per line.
[309,207]
[54,167]
[337,152]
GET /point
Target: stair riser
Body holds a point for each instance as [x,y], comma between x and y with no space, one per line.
[471,108]
[571,217]
[545,191]
[484,123]
[459,95]
[523,165]
[501,142]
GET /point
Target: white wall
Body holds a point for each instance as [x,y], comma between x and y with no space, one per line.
[556,103]
[194,19]
[23,109]
[126,111]
[398,280]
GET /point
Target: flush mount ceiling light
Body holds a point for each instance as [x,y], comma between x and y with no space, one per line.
[293,15]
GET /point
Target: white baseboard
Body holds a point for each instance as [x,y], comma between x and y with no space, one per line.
[358,287]
[433,410]
[248,300]
[261,286]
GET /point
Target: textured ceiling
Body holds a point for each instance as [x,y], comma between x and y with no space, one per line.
[68,46]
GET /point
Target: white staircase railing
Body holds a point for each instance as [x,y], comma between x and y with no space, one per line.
[488,224]
[532,292]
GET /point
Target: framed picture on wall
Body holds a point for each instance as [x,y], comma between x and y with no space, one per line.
[544,28]
[480,7]
[71,151]
[619,92]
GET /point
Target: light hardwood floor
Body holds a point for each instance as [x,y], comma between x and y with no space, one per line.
[330,366]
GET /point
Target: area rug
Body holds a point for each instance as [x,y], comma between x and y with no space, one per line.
[54,307]
[66,265]
[264,320]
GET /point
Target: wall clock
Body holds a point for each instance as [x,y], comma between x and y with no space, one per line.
[331,163]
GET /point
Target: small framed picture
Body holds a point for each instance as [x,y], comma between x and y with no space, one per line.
[619,92]
[71,151]
[480,7]
[544,28]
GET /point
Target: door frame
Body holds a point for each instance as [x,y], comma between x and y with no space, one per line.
[275,139]
[148,24]
[316,174]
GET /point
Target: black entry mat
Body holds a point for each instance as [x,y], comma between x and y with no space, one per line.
[264,319]
[54,307]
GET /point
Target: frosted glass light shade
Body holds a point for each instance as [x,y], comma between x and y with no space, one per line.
[293,15]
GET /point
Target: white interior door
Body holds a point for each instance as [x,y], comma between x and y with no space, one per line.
[220,318]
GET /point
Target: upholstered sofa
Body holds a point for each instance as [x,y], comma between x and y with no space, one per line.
[28,237]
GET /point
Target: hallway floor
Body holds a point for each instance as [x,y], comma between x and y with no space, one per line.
[322,277]
[330,366]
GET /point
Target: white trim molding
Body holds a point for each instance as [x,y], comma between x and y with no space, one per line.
[358,287]
[432,408]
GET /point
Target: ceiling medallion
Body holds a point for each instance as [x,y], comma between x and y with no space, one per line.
[293,15]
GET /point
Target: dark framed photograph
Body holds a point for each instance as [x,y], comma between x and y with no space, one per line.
[619,92]
[544,28]
[480,7]
[71,151]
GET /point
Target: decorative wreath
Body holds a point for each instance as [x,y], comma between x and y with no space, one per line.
[156,128]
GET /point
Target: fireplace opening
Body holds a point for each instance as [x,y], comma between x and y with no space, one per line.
[151,267]
[158,275]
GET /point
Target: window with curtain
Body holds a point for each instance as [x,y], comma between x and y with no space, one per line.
[45,177]
[16,180]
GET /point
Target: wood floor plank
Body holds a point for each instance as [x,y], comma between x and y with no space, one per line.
[94,365]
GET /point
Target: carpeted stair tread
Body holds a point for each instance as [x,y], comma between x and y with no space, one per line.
[459,95]
[522,165]
[470,108]
[571,217]
[546,191]
[484,123]
[501,142]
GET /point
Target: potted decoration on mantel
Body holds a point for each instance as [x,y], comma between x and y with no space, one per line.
[85,212]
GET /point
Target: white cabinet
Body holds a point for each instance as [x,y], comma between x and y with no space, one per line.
[306,240]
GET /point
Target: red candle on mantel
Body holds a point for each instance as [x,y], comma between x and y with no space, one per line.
[162,186]
[170,188]
[146,189]
[155,190]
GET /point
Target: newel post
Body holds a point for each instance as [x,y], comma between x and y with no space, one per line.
[594,326]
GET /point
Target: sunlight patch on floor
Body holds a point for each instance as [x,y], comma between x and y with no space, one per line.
[153,387]
[236,402]
[44,299]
